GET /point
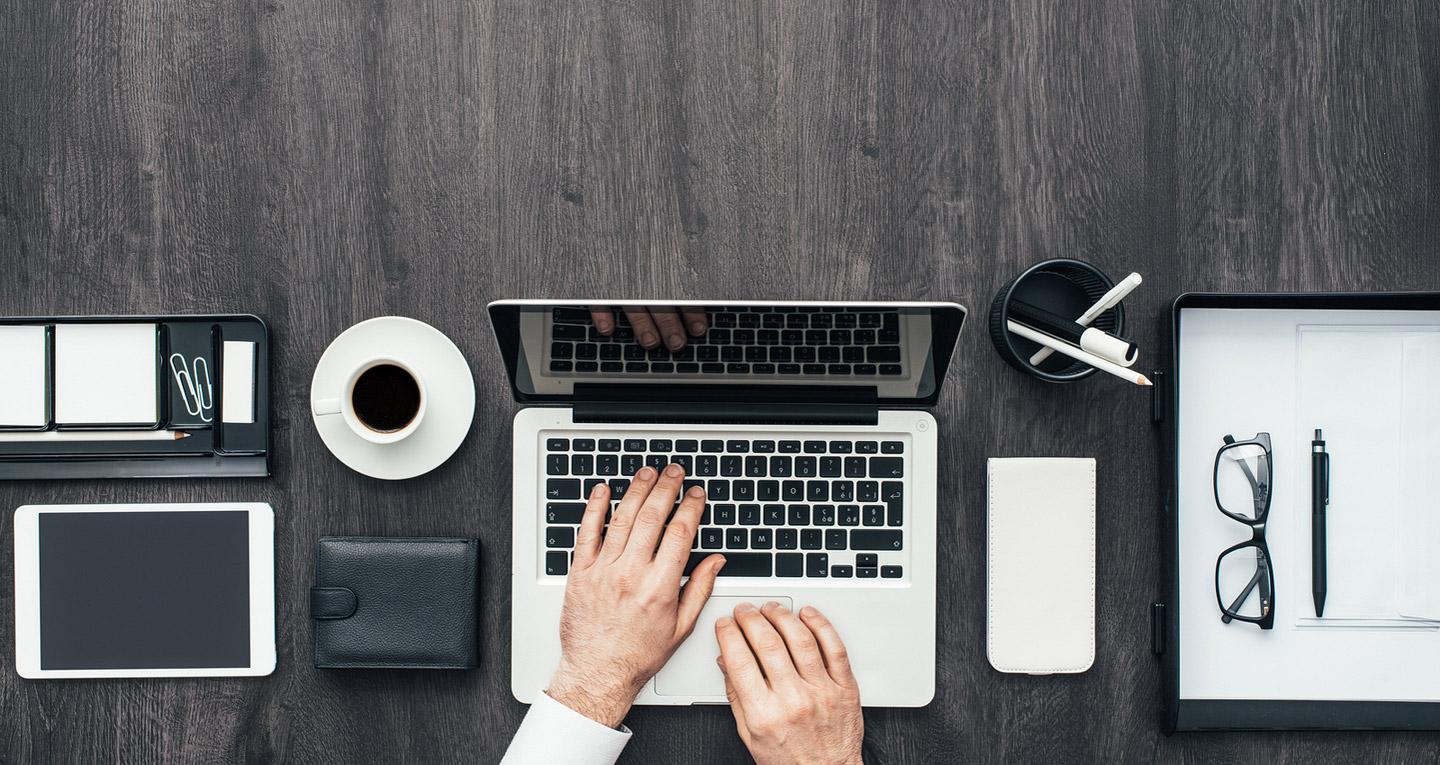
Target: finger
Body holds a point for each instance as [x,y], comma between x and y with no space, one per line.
[623,518]
[799,640]
[650,520]
[603,319]
[738,662]
[767,645]
[645,332]
[837,659]
[674,550]
[587,540]
[737,707]
[696,592]
[696,320]
[667,319]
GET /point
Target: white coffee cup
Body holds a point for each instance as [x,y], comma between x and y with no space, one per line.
[343,403]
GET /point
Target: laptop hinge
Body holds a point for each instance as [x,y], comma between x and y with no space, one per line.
[727,404]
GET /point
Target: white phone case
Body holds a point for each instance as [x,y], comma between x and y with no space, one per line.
[1040,576]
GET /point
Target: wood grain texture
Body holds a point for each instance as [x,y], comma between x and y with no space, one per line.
[320,163]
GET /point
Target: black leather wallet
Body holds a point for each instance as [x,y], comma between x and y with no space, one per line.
[394,602]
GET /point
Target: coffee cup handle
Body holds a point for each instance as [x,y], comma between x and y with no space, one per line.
[326,406]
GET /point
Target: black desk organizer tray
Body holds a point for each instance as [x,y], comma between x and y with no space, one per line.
[213,448]
[1228,714]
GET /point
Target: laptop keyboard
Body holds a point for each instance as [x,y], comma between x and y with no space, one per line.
[776,507]
[791,341]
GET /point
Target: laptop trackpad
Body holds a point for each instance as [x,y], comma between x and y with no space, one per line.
[692,671]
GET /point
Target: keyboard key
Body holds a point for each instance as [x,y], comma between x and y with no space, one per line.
[557,563]
[609,444]
[767,491]
[874,515]
[805,467]
[867,447]
[792,491]
[557,444]
[842,491]
[854,467]
[835,539]
[712,538]
[749,515]
[811,539]
[567,332]
[849,515]
[736,563]
[799,515]
[607,464]
[556,464]
[814,447]
[737,447]
[840,447]
[867,491]
[564,512]
[731,466]
[893,447]
[657,461]
[562,488]
[724,515]
[582,464]
[817,565]
[761,539]
[815,491]
[634,444]
[583,444]
[895,516]
[744,491]
[891,572]
[774,515]
[661,445]
[717,491]
[875,539]
[755,467]
[590,484]
[887,467]
[688,445]
[892,493]
[789,447]
[842,572]
[866,573]
[786,539]
[736,539]
[560,536]
[764,447]
[780,467]
[618,487]
[630,464]
[706,466]
[684,461]
[824,515]
[829,467]
[867,560]
[789,564]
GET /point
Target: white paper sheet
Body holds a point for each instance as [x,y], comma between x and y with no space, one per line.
[22,376]
[1419,458]
[106,374]
[1238,374]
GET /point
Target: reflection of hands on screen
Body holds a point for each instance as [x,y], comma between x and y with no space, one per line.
[654,324]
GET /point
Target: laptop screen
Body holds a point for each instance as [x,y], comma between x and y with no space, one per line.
[901,350]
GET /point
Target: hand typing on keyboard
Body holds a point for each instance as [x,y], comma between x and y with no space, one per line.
[655,323]
[625,612]
[794,697]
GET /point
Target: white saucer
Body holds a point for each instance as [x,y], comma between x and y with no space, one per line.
[449,388]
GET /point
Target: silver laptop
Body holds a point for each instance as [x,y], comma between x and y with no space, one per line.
[806,424]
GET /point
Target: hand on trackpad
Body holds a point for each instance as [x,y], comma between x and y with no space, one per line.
[692,670]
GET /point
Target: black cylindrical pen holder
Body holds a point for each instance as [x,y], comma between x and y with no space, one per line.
[1066,287]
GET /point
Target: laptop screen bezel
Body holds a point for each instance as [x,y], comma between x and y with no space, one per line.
[947,320]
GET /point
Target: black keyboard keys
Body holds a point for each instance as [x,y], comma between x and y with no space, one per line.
[557,562]
[789,564]
[737,563]
[875,539]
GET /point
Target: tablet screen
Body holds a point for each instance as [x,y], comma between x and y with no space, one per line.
[144,590]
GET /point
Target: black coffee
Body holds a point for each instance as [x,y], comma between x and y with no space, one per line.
[386,398]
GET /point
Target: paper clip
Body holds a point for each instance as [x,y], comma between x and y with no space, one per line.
[199,399]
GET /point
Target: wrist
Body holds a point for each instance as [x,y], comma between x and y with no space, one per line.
[604,702]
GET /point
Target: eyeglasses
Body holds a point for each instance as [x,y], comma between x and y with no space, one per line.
[1244,473]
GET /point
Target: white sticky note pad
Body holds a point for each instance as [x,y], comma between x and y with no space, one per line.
[106,374]
[22,376]
[237,382]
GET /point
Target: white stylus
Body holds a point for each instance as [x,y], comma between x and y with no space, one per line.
[92,435]
[1105,303]
[1078,354]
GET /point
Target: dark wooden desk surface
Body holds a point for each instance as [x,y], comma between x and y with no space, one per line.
[320,163]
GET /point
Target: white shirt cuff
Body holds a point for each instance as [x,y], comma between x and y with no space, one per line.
[554,734]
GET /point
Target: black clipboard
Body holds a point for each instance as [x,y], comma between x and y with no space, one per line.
[1231,714]
[213,448]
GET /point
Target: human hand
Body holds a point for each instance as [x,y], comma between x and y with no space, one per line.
[625,612]
[794,697]
[654,323]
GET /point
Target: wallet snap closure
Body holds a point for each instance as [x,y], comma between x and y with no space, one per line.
[332,603]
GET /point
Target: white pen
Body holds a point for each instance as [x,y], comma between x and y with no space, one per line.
[1105,303]
[92,435]
[1073,352]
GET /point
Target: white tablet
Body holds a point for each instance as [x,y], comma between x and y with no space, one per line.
[182,590]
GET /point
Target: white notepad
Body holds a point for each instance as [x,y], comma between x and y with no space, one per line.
[22,376]
[106,374]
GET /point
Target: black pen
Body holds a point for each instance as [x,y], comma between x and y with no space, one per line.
[1319,498]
